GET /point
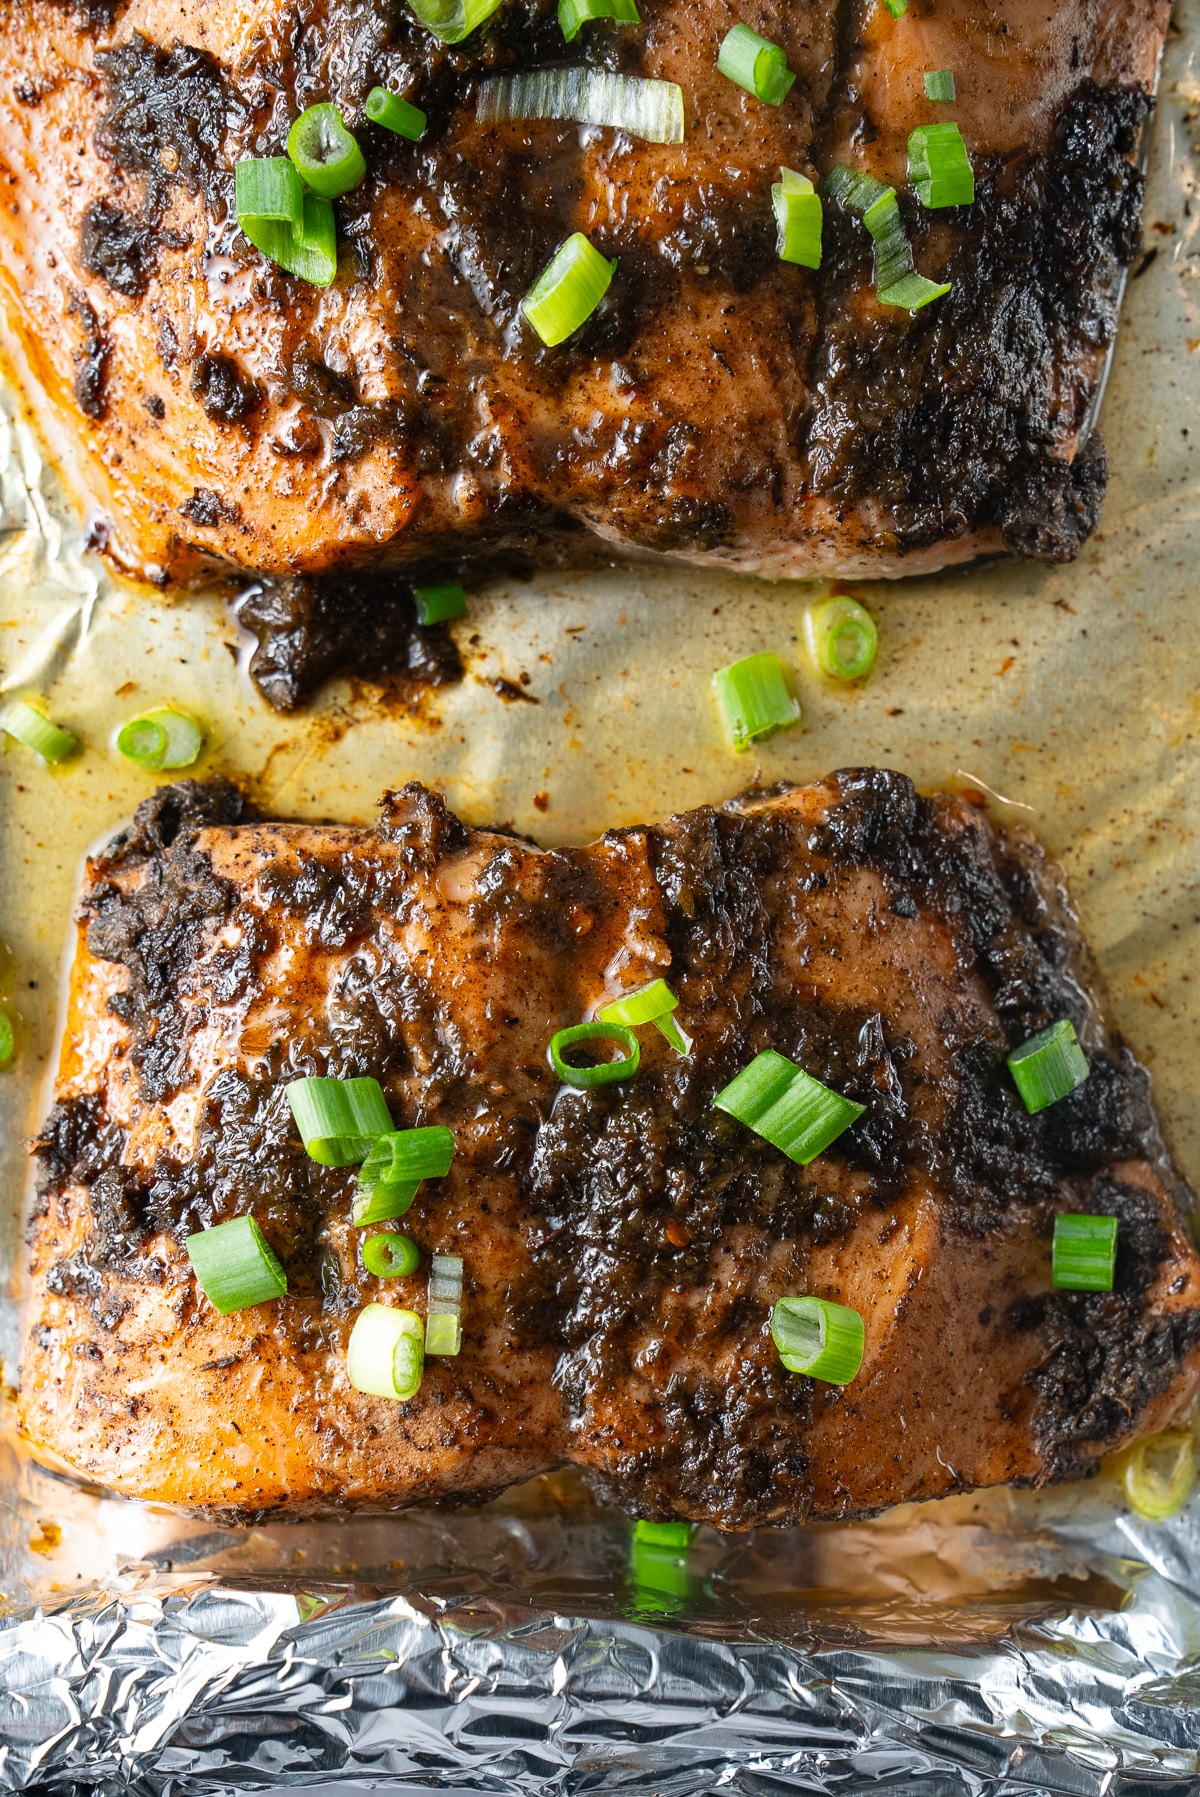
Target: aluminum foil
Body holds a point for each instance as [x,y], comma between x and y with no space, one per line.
[1003,1643]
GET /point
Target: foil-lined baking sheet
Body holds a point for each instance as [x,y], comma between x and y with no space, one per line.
[997,1644]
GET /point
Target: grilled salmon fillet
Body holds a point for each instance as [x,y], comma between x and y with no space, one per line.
[623,1245]
[720,406]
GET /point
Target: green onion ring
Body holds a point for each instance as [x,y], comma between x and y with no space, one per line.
[234,1266]
[818,1338]
[604,1073]
[390,1256]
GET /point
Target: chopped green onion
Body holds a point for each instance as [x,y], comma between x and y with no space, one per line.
[268,188]
[912,292]
[756,64]
[893,252]
[390,1256]
[574,14]
[852,189]
[339,1119]
[28,726]
[818,1338]
[381,1202]
[604,1072]
[568,291]
[649,1004]
[7,1039]
[401,1154]
[841,637]
[452,20]
[286,221]
[1160,1473]
[658,1565]
[385,1356]
[755,698]
[1049,1066]
[787,1107]
[314,250]
[1084,1253]
[326,155]
[897,8]
[234,1267]
[397,1163]
[443,1335]
[665,1534]
[652,110]
[896,280]
[797,208]
[443,1309]
[939,167]
[939,85]
[161,739]
[395,114]
[436,604]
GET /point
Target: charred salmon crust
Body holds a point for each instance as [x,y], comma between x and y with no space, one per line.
[623,1245]
[719,406]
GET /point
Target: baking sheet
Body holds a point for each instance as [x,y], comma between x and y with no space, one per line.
[995,1643]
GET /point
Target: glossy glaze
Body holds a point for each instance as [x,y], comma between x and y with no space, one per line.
[719,407]
[623,1247]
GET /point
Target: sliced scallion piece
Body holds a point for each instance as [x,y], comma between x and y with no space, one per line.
[755,698]
[385,1356]
[819,1338]
[896,281]
[939,167]
[7,1039]
[161,739]
[1159,1474]
[649,1004]
[1049,1066]
[282,218]
[652,110]
[269,189]
[756,64]
[234,1267]
[339,1119]
[568,291]
[326,155]
[397,1163]
[1084,1253]
[658,1566]
[23,721]
[893,252]
[676,1535]
[841,637]
[787,1107]
[443,1308]
[395,114]
[436,604]
[574,14]
[897,8]
[603,1073]
[382,1202]
[390,1256]
[852,189]
[797,207]
[452,20]
[912,291]
[939,85]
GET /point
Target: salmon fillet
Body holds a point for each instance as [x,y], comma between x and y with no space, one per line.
[623,1246]
[720,407]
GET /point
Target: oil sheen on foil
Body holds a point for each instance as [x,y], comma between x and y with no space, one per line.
[1002,1643]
